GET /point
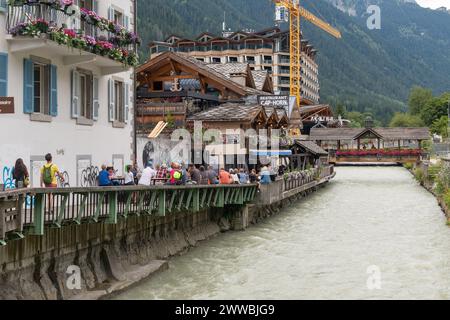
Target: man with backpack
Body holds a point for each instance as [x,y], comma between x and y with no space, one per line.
[49,172]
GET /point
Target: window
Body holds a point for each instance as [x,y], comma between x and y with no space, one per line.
[118,17]
[216,60]
[267,59]
[86,27]
[119,101]
[233,59]
[3,5]
[85,102]
[250,60]
[40,83]
[40,87]
[158,86]
[86,87]
[119,97]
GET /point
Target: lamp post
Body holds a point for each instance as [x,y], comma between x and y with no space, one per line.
[448,116]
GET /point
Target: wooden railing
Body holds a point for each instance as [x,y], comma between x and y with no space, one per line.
[33,209]
[300,179]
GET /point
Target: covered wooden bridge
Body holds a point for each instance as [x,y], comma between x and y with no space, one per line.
[398,145]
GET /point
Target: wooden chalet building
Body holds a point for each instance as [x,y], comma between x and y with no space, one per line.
[179,90]
[173,86]
[369,144]
[316,115]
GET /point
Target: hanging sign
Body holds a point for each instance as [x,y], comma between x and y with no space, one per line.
[6,105]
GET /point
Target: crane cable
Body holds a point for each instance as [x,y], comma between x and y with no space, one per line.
[317,10]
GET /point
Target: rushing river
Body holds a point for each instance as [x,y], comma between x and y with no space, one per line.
[367,219]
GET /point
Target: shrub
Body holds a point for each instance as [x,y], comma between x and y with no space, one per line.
[409,166]
[418,173]
[446,199]
[442,180]
[439,188]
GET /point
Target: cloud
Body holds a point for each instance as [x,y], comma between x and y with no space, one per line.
[434,3]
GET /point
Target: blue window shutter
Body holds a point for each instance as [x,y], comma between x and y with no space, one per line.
[53,91]
[28,86]
[3,75]
[95,100]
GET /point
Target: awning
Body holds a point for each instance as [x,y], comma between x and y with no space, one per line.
[270,153]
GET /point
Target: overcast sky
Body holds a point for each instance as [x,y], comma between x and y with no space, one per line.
[434,3]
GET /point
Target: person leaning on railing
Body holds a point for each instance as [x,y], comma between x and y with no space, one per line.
[265,176]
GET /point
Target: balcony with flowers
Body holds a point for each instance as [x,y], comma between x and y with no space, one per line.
[79,35]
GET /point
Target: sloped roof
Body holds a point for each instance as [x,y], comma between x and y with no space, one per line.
[321,134]
[217,71]
[281,112]
[334,133]
[311,147]
[224,71]
[404,133]
[229,68]
[229,112]
[315,108]
[260,77]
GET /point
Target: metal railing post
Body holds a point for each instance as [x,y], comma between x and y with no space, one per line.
[39,215]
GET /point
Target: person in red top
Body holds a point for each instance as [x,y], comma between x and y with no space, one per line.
[225,177]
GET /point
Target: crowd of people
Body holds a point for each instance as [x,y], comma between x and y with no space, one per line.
[179,174]
[175,174]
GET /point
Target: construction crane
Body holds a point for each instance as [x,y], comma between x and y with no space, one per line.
[296,12]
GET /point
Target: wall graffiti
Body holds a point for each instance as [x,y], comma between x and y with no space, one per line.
[157,152]
[7,178]
[66,182]
[9,184]
[89,177]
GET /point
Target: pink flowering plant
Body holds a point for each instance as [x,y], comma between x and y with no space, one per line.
[116,47]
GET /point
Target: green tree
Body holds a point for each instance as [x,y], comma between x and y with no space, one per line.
[406,120]
[170,119]
[440,127]
[341,110]
[418,98]
[435,109]
[356,118]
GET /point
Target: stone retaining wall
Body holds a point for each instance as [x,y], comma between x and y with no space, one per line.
[112,258]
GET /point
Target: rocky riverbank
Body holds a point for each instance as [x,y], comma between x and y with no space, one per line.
[429,179]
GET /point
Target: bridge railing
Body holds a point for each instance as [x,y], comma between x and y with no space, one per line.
[299,179]
[34,209]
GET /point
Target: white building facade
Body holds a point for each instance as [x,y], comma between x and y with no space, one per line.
[70,75]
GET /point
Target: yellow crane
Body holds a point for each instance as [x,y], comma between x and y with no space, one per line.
[296,12]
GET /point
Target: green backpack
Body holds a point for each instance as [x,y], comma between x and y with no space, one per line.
[47,176]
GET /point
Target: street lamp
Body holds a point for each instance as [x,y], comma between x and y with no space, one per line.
[448,124]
